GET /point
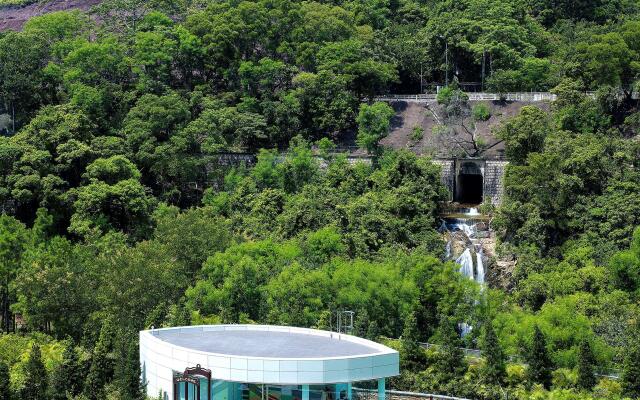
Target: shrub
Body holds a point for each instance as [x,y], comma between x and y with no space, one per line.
[516,375]
[481,112]
[448,94]
[608,389]
[564,378]
[487,208]
[439,129]
[14,3]
[325,147]
[444,95]
[416,133]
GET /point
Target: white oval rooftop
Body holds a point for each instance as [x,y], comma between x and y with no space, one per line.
[264,341]
[277,355]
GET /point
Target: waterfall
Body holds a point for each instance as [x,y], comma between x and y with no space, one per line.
[479,268]
[466,263]
[471,261]
[461,225]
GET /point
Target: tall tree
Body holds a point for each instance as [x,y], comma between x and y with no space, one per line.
[374,122]
[631,371]
[412,355]
[361,323]
[54,288]
[12,240]
[102,362]
[540,364]
[5,389]
[586,364]
[494,370]
[451,363]
[35,374]
[67,379]
[128,372]
[525,133]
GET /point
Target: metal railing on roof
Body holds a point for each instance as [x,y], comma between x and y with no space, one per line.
[369,394]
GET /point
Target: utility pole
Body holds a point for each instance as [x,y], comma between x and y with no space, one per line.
[483,62]
[490,65]
[446,62]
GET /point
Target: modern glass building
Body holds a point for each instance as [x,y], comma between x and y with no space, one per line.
[260,362]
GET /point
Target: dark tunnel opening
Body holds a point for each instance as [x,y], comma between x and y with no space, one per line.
[469,184]
[470,187]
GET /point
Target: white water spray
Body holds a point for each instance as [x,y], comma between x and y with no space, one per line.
[479,268]
[466,263]
[471,261]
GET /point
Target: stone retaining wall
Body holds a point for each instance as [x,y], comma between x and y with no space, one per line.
[494,181]
[447,175]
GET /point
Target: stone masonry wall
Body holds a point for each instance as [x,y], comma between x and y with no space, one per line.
[494,181]
[447,175]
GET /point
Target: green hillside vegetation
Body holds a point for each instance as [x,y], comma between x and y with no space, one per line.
[11,3]
[117,214]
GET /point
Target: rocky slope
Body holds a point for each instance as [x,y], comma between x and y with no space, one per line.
[428,117]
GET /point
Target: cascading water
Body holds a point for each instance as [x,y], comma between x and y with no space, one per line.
[471,259]
[466,263]
[479,268]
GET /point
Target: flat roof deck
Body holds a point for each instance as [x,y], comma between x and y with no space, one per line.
[262,343]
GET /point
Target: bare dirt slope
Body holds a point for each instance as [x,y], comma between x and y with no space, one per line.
[429,116]
[13,18]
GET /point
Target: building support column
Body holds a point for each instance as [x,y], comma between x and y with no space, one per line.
[305,392]
[381,389]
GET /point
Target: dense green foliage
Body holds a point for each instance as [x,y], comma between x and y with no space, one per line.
[494,370]
[35,376]
[631,371]
[120,210]
[539,363]
[586,363]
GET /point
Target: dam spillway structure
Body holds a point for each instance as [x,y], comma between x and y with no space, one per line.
[473,181]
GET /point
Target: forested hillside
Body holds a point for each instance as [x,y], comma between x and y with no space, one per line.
[118,213]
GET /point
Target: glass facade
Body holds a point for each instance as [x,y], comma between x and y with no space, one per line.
[224,390]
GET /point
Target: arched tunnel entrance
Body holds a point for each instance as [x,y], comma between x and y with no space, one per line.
[469,184]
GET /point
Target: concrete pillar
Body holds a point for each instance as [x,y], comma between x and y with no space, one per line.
[381,389]
[305,392]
